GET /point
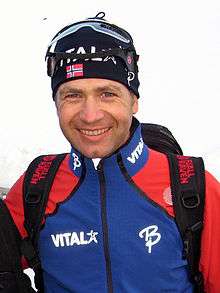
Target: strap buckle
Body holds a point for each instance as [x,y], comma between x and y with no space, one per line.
[33,197]
[190,200]
[198,279]
[187,238]
[29,252]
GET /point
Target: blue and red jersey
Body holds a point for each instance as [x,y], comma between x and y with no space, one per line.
[111,228]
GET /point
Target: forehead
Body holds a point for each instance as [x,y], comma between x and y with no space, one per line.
[94,84]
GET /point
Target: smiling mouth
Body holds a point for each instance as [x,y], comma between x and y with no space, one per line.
[95,132]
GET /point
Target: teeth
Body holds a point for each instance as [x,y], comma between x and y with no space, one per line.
[94,132]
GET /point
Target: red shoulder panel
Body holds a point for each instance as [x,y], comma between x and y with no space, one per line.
[63,185]
[154,180]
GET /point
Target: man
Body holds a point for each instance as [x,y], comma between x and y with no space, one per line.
[109,224]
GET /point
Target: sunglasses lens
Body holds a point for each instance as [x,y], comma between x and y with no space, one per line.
[51,65]
[100,27]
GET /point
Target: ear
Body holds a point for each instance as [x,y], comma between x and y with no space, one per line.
[135,104]
[55,99]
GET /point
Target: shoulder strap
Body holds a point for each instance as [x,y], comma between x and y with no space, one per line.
[37,184]
[188,189]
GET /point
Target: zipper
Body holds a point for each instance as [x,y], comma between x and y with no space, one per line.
[105,226]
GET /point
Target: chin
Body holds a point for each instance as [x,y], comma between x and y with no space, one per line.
[95,154]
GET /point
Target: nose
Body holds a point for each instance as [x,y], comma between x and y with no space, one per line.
[91,111]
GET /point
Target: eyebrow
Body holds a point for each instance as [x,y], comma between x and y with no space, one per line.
[107,88]
[70,90]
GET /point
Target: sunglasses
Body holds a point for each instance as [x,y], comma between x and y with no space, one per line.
[55,59]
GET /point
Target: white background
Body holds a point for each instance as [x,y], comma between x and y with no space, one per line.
[179,47]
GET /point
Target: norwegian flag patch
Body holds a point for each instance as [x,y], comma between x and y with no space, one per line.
[74,70]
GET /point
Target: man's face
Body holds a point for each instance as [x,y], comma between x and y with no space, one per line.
[95,115]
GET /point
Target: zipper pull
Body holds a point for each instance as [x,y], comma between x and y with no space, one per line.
[100,166]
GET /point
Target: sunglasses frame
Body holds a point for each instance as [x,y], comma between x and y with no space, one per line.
[129,57]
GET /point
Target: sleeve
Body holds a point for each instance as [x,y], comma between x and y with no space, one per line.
[14,202]
[210,245]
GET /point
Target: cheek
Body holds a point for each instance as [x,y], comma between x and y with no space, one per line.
[123,115]
[123,124]
[62,117]
[65,114]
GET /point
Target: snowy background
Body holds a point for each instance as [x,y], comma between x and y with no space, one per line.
[179,47]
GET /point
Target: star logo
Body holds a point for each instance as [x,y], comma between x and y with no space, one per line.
[92,235]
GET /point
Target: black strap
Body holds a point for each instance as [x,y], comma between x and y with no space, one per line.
[188,191]
[12,277]
[37,184]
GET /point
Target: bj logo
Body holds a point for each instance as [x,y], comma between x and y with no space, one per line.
[151,236]
[76,161]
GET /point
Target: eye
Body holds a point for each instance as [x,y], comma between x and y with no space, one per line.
[71,96]
[108,95]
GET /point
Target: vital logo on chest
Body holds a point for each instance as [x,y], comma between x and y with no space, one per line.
[74,238]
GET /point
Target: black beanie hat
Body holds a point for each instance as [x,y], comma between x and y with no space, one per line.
[93,49]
